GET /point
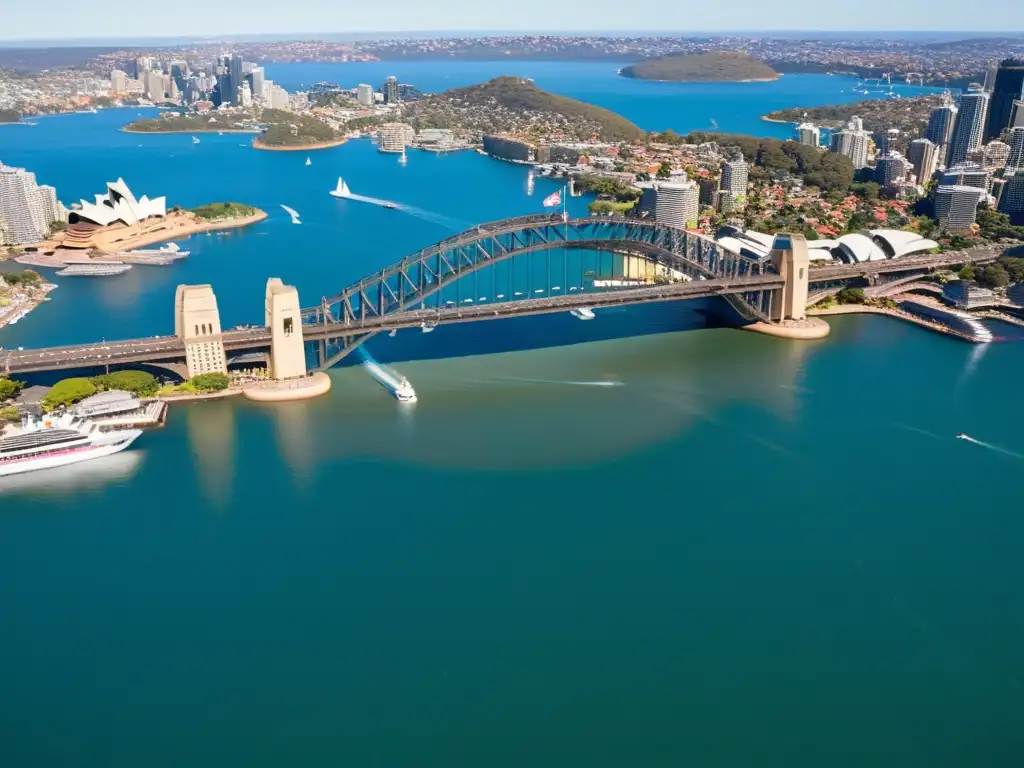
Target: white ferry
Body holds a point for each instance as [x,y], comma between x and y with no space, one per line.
[56,442]
[94,268]
[394,383]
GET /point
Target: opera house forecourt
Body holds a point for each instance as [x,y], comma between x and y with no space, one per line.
[118,220]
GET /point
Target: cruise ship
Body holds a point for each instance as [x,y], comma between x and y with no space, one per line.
[94,268]
[56,442]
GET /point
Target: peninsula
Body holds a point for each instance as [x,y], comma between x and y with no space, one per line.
[907,115]
[517,106]
[174,122]
[708,67]
[277,128]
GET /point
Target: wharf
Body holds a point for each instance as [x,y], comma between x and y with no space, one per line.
[153,413]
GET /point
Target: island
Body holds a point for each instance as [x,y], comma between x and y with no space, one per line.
[907,115]
[514,105]
[290,131]
[708,67]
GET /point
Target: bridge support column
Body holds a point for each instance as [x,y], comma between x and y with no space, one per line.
[287,359]
[788,311]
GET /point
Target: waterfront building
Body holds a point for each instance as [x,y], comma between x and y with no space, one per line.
[197,324]
[390,90]
[364,95]
[940,130]
[890,169]
[970,124]
[670,202]
[852,142]
[967,295]
[735,174]
[1015,158]
[956,206]
[808,134]
[245,95]
[967,175]
[118,81]
[436,138]
[395,137]
[27,209]
[1009,87]
[1012,200]
[923,155]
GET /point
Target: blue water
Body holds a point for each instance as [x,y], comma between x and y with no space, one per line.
[694,546]
[683,107]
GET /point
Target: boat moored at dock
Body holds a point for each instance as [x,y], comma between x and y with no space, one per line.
[51,442]
[94,268]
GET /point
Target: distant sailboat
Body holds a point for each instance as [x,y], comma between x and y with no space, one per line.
[308,161]
[195,139]
[402,159]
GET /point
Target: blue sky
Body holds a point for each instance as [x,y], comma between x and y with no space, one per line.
[57,19]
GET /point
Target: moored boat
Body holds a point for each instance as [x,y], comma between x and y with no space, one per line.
[48,443]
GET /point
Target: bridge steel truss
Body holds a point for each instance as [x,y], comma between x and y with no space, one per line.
[419,279]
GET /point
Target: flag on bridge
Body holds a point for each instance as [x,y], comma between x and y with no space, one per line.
[555,198]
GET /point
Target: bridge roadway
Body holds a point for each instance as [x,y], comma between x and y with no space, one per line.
[159,349]
[980,255]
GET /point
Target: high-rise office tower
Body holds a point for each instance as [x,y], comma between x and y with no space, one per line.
[154,85]
[1015,159]
[1009,86]
[956,207]
[258,76]
[923,156]
[940,130]
[390,90]
[235,81]
[808,134]
[970,124]
[885,141]
[1012,200]
[967,175]
[27,208]
[1017,114]
[890,169]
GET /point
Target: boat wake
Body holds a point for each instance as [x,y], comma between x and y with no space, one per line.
[569,383]
[342,192]
[996,448]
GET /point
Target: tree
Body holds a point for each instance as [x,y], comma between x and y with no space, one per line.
[993,276]
[138,383]
[9,415]
[1014,266]
[67,392]
[209,382]
[9,388]
[850,296]
[643,176]
[57,226]
[868,190]
[967,272]
[665,170]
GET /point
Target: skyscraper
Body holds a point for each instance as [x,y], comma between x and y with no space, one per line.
[1009,86]
[27,208]
[923,156]
[1017,114]
[364,95]
[235,81]
[118,81]
[390,90]
[956,207]
[258,79]
[940,130]
[154,85]
[970,124]
[890,168]
[1012,201]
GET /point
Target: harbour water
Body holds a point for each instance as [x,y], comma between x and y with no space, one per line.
[697,546]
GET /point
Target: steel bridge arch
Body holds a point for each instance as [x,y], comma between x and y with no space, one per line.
[411,281]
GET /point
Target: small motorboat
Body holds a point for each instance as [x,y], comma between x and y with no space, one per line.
[389,206]
[427,328]
[582,313]
[963,436]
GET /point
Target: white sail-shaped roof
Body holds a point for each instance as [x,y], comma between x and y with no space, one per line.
[120,205]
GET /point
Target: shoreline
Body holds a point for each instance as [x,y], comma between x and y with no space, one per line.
[300,148]
[861,309]
[703,82]
[11,310]
[128,129]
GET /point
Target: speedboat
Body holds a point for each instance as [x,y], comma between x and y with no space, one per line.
[583,313]
[427,328]
[390,206]
[963,436]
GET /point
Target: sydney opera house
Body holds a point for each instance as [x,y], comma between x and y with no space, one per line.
[874,245]
[113,217]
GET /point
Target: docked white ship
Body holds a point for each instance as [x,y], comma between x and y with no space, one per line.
[58,441]
[171,250]
[94,268]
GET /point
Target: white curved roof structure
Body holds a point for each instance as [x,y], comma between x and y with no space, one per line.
[855,248]
[119,205]
[896,242]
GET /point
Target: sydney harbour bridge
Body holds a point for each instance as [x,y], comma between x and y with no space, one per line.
[525,266]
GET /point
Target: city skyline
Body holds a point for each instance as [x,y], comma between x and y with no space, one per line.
[65,23]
